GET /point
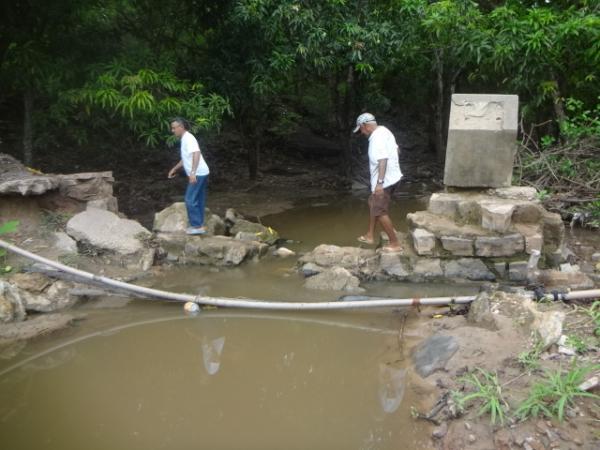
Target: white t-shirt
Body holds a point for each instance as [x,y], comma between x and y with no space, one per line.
[382,145]
[189,145]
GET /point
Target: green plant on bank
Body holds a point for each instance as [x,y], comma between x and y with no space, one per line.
[54,220]
[578,344]
[488,391]
[543,194]
[6,227]
[581,122]
[594,313]
[530,359]
[553,395]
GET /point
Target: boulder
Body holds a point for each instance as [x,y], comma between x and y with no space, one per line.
[220,250]
[172,219]
[55,298]
[107,231]
[468,268]
[108,203]
[310,269]
[36,326]
[11,303]
[334,279]
[262,233]
[351,258]
[423,241]
[31,282]
[549,326]
[480,312]
[434,353]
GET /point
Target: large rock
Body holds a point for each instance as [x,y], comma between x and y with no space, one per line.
[351,258]
[219,250]
[549,326]
[434,353]
[16,179]
[508,245]
[480,312]
[334,279]
[174,219]
[11,303]
[468,268]
[107,231]
[482,136]
[261,232]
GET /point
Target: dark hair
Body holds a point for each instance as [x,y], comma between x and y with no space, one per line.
[181,121]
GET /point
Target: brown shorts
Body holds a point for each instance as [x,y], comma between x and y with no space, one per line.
[379,205]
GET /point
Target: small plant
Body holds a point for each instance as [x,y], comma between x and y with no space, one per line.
[594,313]
[530,359]
[578,344]
[543,195]
[552,396]
[547,141]
[488,391]
[6,227]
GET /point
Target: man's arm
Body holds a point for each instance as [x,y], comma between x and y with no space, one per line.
[381,168]
[195,162]
[175,168]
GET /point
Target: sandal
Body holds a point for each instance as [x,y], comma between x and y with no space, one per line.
[364,240]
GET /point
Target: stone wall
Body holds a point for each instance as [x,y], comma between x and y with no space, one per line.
[501,227]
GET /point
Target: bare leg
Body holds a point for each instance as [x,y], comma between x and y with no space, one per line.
[388,227]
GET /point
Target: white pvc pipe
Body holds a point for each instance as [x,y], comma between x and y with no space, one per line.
[261,304]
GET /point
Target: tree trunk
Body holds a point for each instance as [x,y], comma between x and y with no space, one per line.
[558,102]
[28,127]
[440,148]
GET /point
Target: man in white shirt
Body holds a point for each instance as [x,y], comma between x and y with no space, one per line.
[385,175]
[197,172]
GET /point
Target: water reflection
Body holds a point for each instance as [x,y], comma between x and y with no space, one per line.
[211,354]
[391,387]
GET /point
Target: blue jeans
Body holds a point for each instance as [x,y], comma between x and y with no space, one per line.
[195,197]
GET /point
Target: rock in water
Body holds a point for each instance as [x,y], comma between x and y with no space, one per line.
[333,279]
[434,353]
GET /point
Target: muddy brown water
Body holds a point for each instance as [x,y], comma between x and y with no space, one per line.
[144,375]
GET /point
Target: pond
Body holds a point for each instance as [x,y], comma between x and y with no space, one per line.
[138,374]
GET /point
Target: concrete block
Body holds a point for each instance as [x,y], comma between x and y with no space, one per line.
[533,242]
[516,193]
[428,268]
[457,246]
[500,268]
[496,216]
[517,271]
[423,241]
[508,245]
[482,136]
[554,231]
[443,203]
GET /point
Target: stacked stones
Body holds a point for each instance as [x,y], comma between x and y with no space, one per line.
[502,227]
[480,215]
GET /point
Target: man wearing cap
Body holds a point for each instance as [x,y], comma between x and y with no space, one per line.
[385,175]
[197,171]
